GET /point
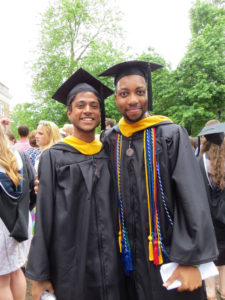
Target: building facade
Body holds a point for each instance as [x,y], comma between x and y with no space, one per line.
[4,101]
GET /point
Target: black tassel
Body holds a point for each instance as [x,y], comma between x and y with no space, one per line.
[102,107]
[149,87]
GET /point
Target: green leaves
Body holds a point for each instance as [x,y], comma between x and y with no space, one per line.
[198,84]
[73,33]
[86,33]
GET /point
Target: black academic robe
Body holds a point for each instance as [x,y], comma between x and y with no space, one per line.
[191,239]
[75,242]
[216,200]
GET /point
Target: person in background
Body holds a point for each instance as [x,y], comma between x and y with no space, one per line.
[74,252]
[23,143]
[34,151]
[11,137]
[163,207]
[5,123]
[109,123]
[62,132]
[47,135]
[68,129]
[212,165]
[16,198]
[194,143]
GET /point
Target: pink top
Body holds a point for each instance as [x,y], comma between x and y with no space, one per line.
[23,145]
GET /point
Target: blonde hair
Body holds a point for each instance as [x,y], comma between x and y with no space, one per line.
[216,155]
[51,133]
[7,159]
[68,128]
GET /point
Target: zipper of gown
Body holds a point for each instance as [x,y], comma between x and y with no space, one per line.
[99,234]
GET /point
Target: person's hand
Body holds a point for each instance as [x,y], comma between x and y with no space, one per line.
[190,278]
[5,123]
[36,182]
[38,287]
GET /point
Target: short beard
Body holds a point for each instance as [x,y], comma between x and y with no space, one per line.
[136,120]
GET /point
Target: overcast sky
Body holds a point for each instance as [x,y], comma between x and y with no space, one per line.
[161,24]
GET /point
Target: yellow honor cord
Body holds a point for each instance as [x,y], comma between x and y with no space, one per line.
[150,244]
[91,148]
[155,250]
[120,239]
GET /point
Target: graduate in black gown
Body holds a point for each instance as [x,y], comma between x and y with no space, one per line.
[74,252]
[163,208]
[212,165]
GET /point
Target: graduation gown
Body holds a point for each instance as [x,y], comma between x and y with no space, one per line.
[75,242]
[191,239]
[216,200]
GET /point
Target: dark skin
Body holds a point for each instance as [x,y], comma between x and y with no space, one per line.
[131,97]
[131,100]
[189,277]
[85,117]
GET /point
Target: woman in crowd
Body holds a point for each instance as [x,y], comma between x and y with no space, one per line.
[11,137]
[46,136]
[16,197]
[34,151]
[212,164]
[194,143]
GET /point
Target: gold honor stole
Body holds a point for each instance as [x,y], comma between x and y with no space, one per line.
[85,148]
[128,129]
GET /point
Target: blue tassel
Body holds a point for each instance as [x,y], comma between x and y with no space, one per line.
[127,259]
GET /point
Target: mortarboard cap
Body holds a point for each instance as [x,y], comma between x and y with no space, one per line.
[82,81]
[214,133]
[212,129]
[134,67]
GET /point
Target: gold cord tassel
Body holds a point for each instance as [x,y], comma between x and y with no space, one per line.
[150,246]
[120,240]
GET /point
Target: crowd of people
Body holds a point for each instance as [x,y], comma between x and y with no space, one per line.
[108,211]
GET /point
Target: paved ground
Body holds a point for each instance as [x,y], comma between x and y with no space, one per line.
[29,285]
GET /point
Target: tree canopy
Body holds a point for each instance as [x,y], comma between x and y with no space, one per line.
[195,91]
[72,34]
[87,33]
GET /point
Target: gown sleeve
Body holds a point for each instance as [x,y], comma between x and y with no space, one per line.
[38,267]
[193,239]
